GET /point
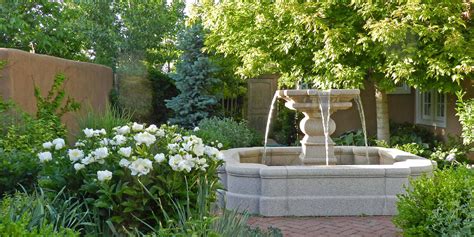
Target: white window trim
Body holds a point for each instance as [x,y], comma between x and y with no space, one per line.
[401,89]
[434,120]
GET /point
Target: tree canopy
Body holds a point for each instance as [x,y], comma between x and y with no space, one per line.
[105,32]
[341,43]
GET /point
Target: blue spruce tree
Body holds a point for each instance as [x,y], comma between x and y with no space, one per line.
[194,80]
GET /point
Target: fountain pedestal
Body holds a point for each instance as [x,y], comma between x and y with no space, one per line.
[311,103]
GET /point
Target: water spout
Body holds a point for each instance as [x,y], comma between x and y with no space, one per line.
[360,108]
[325,107]
[267,128]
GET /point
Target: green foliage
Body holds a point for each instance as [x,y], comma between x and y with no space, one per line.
[108,119]
[194,79]
[17,168]
[228,132]
[409,133]
[163,89]
[413,148]
[285,128]
[441,205]
[204,223]
[25,133]
[465,111]
[51,108]
[451,153]
[91,31]
[351,138]
[341,43]
[40,214]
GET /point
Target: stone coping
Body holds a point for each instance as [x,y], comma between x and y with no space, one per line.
[403,164]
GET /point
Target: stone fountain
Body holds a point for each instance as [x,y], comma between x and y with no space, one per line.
[295,181]
[309,102]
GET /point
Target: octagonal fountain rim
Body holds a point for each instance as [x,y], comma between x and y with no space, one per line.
[390,161]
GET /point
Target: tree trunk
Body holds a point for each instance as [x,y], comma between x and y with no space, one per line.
[381,104]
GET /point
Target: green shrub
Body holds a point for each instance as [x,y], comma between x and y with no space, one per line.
[465,110]
[163,89]
[17,168]
[441,205]
[285,128]
[413,148]
[409,133]
[451,153]
[228,132]
[351,138]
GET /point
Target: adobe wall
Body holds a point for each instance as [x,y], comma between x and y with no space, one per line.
[87,83]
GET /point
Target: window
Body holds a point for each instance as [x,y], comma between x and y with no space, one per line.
[431,108]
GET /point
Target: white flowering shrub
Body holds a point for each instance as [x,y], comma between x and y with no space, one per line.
[134,172]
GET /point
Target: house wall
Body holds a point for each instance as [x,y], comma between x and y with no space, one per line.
[402,108]
[87,83]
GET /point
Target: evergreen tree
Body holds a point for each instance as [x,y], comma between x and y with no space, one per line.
[194,80]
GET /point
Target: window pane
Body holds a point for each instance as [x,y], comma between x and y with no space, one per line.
[426,105]
[440,106]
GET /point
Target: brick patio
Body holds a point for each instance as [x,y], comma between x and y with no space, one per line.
[329,226]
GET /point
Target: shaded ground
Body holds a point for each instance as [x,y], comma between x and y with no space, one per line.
[329,226]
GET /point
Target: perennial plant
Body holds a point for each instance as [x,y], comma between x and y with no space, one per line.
[133,173]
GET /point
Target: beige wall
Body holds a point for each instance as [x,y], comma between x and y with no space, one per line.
[87,83]
[401,109]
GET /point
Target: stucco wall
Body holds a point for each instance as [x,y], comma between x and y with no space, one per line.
[402,108]
[88,83]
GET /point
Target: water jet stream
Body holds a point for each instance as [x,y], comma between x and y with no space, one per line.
[325,107]
[267,128]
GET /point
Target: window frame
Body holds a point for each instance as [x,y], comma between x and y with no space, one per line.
[433,119]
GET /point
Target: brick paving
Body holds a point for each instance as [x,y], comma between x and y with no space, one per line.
[354,226]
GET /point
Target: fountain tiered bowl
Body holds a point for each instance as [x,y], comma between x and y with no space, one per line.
[295,181]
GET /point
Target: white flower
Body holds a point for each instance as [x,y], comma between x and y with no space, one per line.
[451,157]
[219,145]
[45,156]
[120,139]
[59,143]
[79,144]
[185,165]
[101,152]
[159,157]
[198,149]
[144,138]
[152,128]
[173,147]
[141,166]
[125,151]
[88,132]
[196,129]
[137,127]
[104,175]
[174,161]
[124,163]
[75,154]
[123,130]
[47,145]
[160,132]
[79,166]
[104,142]
[102,131]
[87,160]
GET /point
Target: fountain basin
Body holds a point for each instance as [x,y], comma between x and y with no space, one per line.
[286,187]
